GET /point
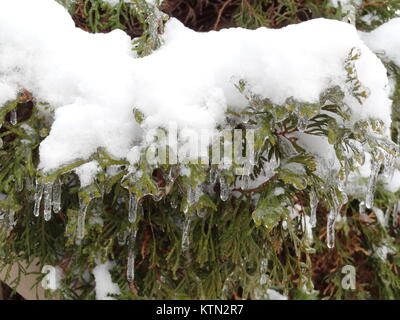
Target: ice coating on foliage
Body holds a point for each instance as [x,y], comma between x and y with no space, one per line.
[93,81]
[104,284]
[385,39]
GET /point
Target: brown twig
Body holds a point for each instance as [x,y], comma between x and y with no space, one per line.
[220,11]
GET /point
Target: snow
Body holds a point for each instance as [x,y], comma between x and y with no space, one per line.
[380,216]
[392,183]
[87,172]
[93,81]
[385,39]
[275,295]
[104,284]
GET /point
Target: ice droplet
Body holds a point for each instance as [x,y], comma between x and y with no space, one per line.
[80,233]
[245,118]
[13,117]
[47,192]
[186,208]
[56,197]
[133,208]
[38,198]
[130,270]
[201,213]
[313,208]
[224,189]
[369,197]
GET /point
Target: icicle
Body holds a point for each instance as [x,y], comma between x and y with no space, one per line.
[56,197]
[80,233]
[246,171]
[47,192]
[190,195]
[213,175]
[186,208]
[11,219]
[313,207]
[369,198]
[349,8]
[387,217]
[395,214]
[198,192]
[38,198]
[133,208]
[130,270]
[185,243]
[388,163]
[330,228]
[263,271]
[226,290]
[362,211]
[224,189]
[245,182]
[13,117]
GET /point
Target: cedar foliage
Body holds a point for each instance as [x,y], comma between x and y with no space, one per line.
[234,243]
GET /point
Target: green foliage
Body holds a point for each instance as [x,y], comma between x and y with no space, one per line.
[238,248]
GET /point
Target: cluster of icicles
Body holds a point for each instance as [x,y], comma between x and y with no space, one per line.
[50,194]
[388,163]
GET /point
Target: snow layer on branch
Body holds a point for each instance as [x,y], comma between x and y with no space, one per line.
[87,172]
[385,39]
[104,284]
[93,81]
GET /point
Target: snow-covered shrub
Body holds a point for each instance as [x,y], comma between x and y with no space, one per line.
[79,111]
